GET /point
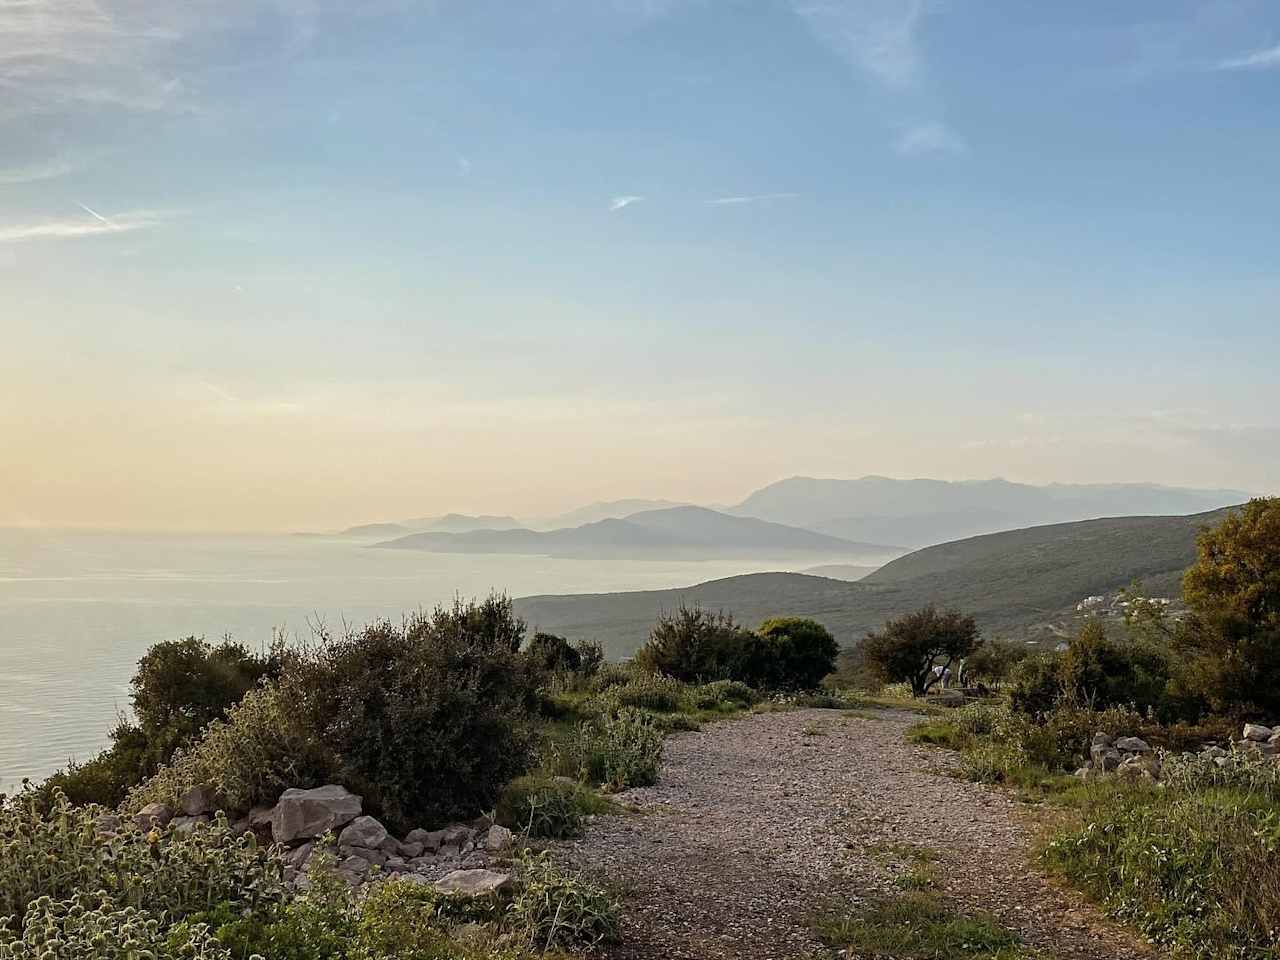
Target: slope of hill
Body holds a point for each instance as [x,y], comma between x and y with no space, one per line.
[375,531]
[682,531]
[1020,584]
[920,512]
[603,510]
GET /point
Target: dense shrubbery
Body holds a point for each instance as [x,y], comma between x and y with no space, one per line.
[696,646]
[179,688]
[426,720]
[545,806]
[993,663]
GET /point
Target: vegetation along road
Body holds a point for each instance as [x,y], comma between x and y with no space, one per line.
[815,832]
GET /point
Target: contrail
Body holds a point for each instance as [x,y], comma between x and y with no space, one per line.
[95,214]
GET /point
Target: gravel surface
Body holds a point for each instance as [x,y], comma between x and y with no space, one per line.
[758,822]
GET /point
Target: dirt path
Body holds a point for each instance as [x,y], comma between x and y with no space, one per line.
[757,821]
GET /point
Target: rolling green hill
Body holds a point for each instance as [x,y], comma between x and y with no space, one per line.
[1021,584]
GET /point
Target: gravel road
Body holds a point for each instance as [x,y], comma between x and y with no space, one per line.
[758,822]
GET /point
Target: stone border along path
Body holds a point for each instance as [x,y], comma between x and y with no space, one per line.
[758,822]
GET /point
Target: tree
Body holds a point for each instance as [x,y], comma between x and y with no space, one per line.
[552,653]
[910,647]
[697,646]
[1232,636]
[798,652]
[992,662]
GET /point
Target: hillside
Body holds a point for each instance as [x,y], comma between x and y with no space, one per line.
[920,512]
[677,531]
[1020,584]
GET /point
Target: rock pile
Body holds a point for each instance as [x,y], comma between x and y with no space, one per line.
[1256,743]
[457,856]
[1125,756]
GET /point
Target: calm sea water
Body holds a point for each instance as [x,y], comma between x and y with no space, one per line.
[77,610]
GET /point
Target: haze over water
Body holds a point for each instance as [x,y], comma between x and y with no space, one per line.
[77,610]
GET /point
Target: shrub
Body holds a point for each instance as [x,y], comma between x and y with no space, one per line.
[90,926]
[993,662]
[1102,672]
[723,693]
[1232,638]
[590,657]
[179,688]
[544,806]
[917,647]
[552,653]
[618,751]
[797,654]
[554,910]
[695,645]
[612,675]
[61,852]
[1035,686]
[650,692]
[258,751]
[409,921]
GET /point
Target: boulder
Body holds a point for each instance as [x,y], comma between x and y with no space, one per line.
[305,814]
[391,846]
[198,800]
[354,865]
[1214,752]
[106,824]
[1223,762]
[411,850]
[298,856]
[497,839]
[364,853]
[395,864]
[430,839]
[475,883]
[1132,745]
[362,832]
[1102,739]
[153,815]
[1257,732]
[455,833]
[1104,757]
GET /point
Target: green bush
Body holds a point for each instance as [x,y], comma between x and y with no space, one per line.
[612,675]
[616,750]
[554,910]
[257,752]
[179,688]
[723,693]
[62,852]
[93,926]
[1035,687]
[797,654]
[650,692]
[552,653]
[694,645]
[993,663]
[1102,672]
[544,806]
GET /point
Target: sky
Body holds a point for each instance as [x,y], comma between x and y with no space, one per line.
[293,264]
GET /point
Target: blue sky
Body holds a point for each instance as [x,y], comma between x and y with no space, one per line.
[276,264]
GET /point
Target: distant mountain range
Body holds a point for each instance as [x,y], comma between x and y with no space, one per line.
[603,510]
[1021,584]
[674,531]
[920,512]
[449,523]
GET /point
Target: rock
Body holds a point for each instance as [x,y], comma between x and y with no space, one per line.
[1132,745]
[354,865]
[482,823]
[449,851]
[1256,748]
[390,846]
[497,839]
[298,857]
[1257,732]
[1222,761]
[1084,773]
[456,833]
[1102,739]
[1104,756]
[239,827]
[363,832]
[197,800]
[364,853]
[395,864]
[153,815]
[188,824]
[421,863]
[474,883]
[411,850]
[1214,751]
[106,824]
[305,814]
[430,839]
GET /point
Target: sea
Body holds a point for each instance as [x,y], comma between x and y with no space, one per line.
[77,610]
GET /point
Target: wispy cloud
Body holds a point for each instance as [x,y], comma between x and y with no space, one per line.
[751,198]
[32,173]
[929,137]
[91,225]
[1268,59]
[621,203]
[879,36]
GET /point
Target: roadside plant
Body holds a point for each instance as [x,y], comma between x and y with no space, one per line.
[554,910]
[615,750]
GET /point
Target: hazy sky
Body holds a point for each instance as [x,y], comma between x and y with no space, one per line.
[281,265]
